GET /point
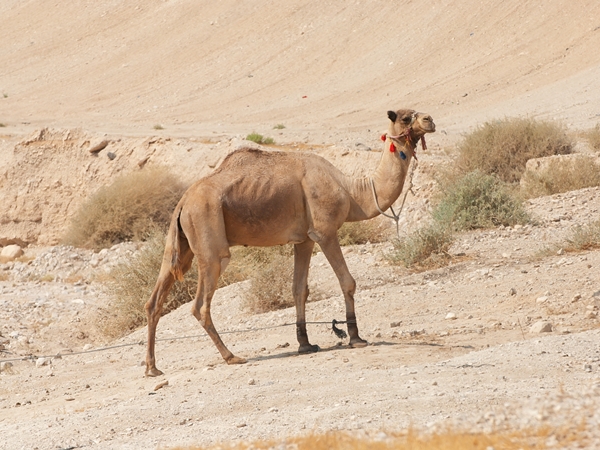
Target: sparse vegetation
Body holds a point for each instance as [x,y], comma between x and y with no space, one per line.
[125,210]
[477,200]
[131,283]
[445,440]
[562,176]
[158,127]
[593,137]
[354,233]
[260,139]
[503,147]
[2,125]
[424,248]
[584,237]
[279,126]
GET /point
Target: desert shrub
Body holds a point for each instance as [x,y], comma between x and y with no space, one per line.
[126,209]
[279,126]
[584,237]
[260,139]
[477,200]
[503,147]
[131,283]
[561,176]
[354,233]
[593,137]
[426,247]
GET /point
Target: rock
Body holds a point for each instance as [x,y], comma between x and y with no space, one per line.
[42,362]
[251,381]
[97,146]
[11,252]
[451,316]
[6,366]
[512,291]
[542,299]
[395,324]
[541,326]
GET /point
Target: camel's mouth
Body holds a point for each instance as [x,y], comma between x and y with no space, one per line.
[426,123]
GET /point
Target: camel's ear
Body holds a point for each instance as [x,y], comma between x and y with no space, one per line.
[392,115]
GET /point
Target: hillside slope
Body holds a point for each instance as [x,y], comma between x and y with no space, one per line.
[202,65]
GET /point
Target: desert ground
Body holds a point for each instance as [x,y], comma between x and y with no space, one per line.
[506,337]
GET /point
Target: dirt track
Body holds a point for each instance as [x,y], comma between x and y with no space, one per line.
[210,73]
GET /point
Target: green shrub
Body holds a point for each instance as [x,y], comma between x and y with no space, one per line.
[125,210]
[260,139]
[425,247]
[503,147]
[478,200]
[279,126]
[561,176]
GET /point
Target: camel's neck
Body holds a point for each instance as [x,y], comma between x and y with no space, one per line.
[388,181]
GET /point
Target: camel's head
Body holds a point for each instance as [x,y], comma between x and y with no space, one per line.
[405,122]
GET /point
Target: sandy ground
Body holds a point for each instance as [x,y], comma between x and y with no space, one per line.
[179,83]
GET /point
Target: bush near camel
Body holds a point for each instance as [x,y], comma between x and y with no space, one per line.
[503,147]
[561,175]
[260,139]
[425,248]
[478,200]
[125,210]
[356,233]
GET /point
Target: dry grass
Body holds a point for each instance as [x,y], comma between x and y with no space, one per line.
[503,147]
[131,283]
[593,137]
[562,176]
[125,210]
[424,248]
[448,440]
[584,238]
[367,231]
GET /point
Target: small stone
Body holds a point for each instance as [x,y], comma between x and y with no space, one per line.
[512,291]
[587,367]
[542,299]
[161,385]
[541,326]
[6,366]
[451,316]
[11,252]
[241,424]
[42,362]
[395,324]
[251,382]
[575,298]
[591,315]
[560,252]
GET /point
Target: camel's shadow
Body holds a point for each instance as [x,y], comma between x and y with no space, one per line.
[343,347]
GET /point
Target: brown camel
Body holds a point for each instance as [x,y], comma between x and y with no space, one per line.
[266,198]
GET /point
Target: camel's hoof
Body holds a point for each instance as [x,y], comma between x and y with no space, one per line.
[308,349]
[235,360]
[358,343]
[153,372]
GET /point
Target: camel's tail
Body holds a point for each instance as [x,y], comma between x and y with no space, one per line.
[173,245]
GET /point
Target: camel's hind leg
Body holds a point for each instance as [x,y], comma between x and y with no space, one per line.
[333,253]
[205,231]
[302,255]
[209,270]
[159,294]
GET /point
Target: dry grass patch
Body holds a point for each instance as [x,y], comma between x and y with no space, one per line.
[126,210]
[366,231]
[593,137]
[584,238]
[560,175]
[449,440]
[424,248]
[503,147]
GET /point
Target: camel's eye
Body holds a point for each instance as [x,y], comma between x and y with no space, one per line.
[406,119]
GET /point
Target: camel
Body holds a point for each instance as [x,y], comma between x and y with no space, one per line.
[268,198]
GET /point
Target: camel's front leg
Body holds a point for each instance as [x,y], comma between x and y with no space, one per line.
[302,255]
[333,253]
[208,275]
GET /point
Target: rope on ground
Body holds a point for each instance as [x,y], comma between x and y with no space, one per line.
[339,333]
